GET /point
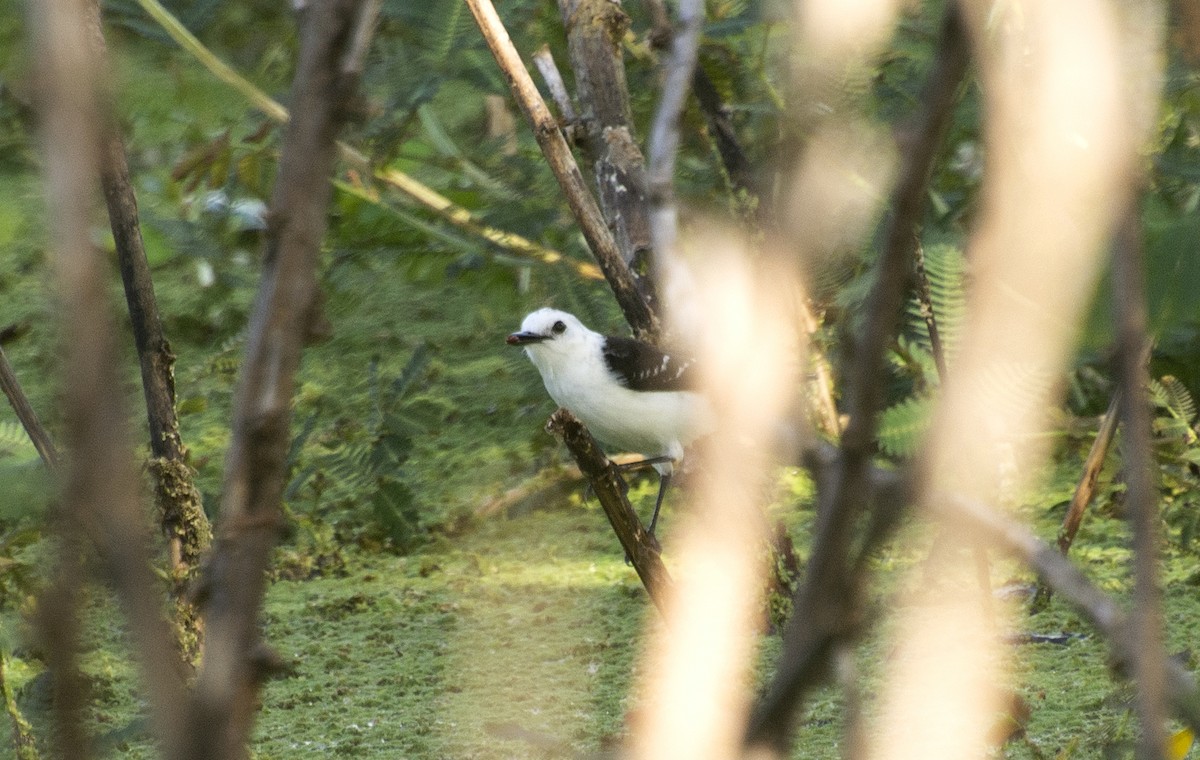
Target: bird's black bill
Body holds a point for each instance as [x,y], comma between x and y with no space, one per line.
[522,338]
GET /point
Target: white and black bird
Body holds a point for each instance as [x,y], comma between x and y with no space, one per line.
[631,395]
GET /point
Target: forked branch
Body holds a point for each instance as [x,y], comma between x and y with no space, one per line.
[602,475]
[558,154]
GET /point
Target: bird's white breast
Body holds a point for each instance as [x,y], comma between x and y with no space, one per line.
[652,423]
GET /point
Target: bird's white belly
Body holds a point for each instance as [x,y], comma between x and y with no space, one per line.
[652,423]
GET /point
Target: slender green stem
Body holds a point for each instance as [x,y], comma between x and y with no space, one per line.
[416,191]
[178,32]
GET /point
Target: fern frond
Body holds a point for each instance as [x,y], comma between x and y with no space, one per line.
[348,469]
[1178,399]
[448,28]
[914,357]
[946,270]
[1172,396]
[901,427]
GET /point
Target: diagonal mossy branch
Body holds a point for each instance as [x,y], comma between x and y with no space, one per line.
[181,512]
[641,548]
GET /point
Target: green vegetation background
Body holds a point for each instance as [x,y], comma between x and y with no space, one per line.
[415,627]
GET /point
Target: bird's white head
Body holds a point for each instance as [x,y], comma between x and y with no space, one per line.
[550,336]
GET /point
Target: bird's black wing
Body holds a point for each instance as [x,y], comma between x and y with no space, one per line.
[642,367]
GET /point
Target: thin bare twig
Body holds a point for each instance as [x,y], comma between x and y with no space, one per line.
[1141,487]
[601,473]
[825,605]
[554,82]
[1071,585]
[892,491]
[460,217]
[25,413]
[663,144]
[603,246]
[729,147]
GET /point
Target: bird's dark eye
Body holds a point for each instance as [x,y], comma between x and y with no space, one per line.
[558,327]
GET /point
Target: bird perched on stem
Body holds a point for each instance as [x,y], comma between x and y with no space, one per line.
[630,395]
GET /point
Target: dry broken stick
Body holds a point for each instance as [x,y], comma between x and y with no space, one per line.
[1086,488]
[554,147]
[641,548]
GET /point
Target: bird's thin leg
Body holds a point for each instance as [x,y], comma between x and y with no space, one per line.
[663,481]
